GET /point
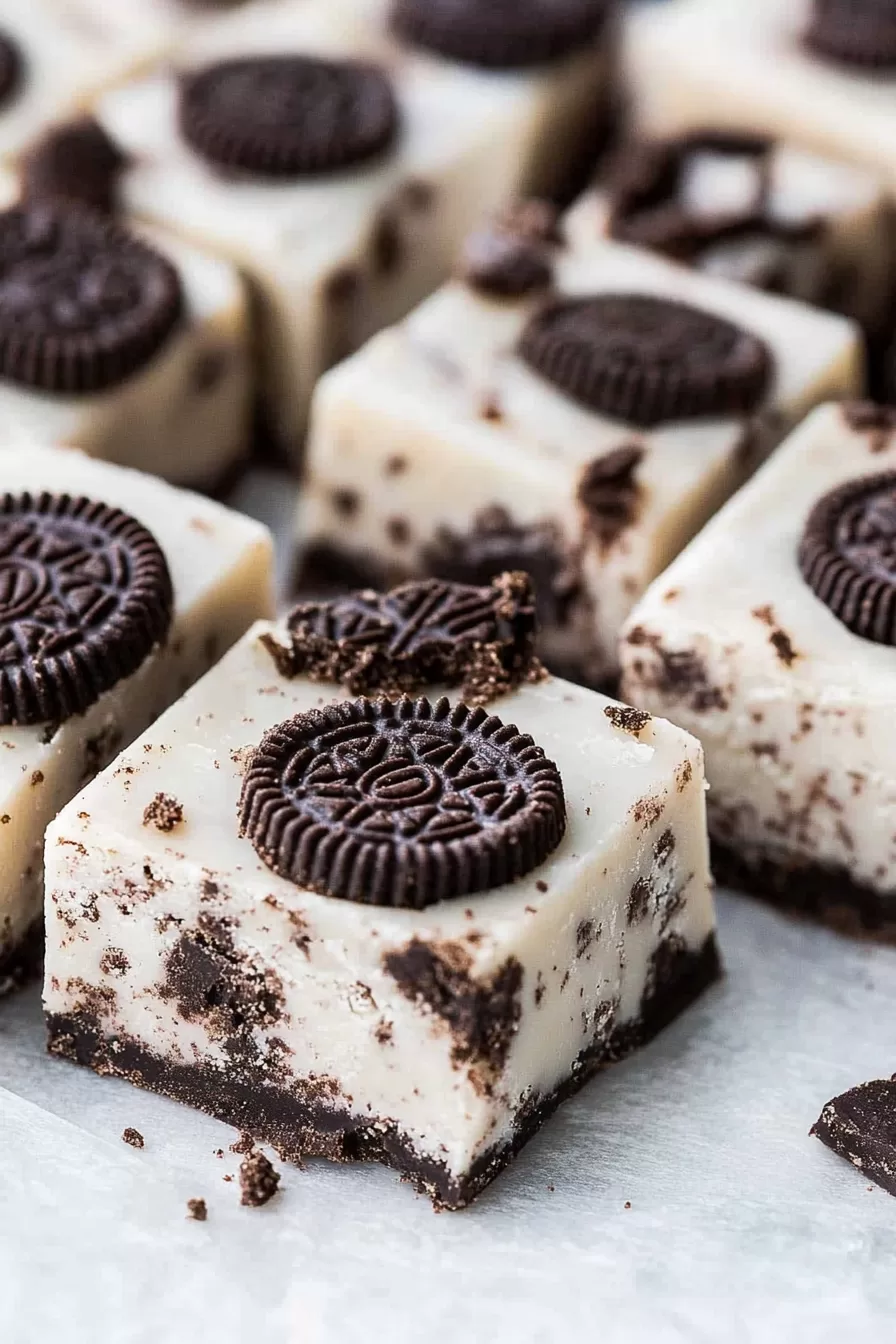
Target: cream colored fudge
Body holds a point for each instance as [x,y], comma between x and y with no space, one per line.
[331,258]
[60,67]
[793,703]
[186,414]
[564,105]
[746,67]
[159,27]
[438,449]
[433,1039]
[758,211]
[220,568]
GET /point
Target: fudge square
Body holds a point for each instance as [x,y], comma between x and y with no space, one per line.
[343,215]
[355,974]
[138,344]
[559,60]
[773,637]
[116,592]
[818,72]
[574,410]
[760,211]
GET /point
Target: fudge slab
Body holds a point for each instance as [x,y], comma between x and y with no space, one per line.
[564,105]
[758,211]
[795,711]
[186,415]
[156,27]
[331,258]
[437,450]
[745,67]
[220,565]
[433,1040]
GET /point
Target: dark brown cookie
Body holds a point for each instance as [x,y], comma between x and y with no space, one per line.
[85,596]
[12,68]
[647,360]
[288,116]
[75,162]
[401,803]
[501,34]
[855,33]
[83,303]
[424,633]
[860,1125]
[848,555]
[513,256]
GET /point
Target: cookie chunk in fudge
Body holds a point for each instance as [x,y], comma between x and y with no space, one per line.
[758,211]
[337,170]
[576,409]
[773,638]
[116,592]
[390,927]
[131,346]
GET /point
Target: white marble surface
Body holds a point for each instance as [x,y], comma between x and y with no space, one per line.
[741,1229]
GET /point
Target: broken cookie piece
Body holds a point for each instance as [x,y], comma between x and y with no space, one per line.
[394,929]
[773,638]
[860,1126]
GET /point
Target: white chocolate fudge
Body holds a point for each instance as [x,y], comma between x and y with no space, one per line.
[758,211]
[789,680]
[335,256]
[439,449]
[158,26]
[57,67]
[748,67]
[564,104]
[185,414]
[436,1038]
[55,734]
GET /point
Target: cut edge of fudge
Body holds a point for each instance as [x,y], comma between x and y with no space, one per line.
[421,633]
[299,1125]
[860,1126]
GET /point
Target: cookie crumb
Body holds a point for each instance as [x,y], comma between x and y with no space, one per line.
[628,1204]
[133,1137]
[259,1180]
[628,720]
[243,1145]
[164,812]
[197,1209]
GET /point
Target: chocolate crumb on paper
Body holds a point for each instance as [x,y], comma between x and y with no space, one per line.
[197,1209]
[133,1137]
[259,1180]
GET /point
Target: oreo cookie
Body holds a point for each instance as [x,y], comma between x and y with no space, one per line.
[501,34]
[85,596]
[75,162]
[288,116]
[860,34]
[401,804]
[424,633]
[12,68]
[83,303]
[647,360]
[848,556]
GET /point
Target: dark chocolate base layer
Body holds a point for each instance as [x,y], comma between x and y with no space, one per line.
[22,962]
[812,890]
[308,1121]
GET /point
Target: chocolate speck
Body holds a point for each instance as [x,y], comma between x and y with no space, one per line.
[541,886]
[396,465]
[610,495]
[779,639]
[346,502]
[259,1180]
[114,962]
[638,901]
[586,934]
[197,1209]
[133,1137]
[628,720]
[164,812]
[383,1033]
[37,777]
[399,531]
